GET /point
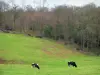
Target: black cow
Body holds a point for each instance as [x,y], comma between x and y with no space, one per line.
[35,65]
[72,63]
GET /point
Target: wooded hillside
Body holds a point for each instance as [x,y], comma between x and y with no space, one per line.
[71,24]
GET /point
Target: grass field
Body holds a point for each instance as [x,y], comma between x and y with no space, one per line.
[17,52]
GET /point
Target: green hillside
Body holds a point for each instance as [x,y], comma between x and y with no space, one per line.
[18,51]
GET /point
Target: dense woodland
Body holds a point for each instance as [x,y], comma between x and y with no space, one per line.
[71,24]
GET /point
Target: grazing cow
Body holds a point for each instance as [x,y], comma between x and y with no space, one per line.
[35,65]
[72,63]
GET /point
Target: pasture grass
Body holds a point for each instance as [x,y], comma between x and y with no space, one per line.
[50,55]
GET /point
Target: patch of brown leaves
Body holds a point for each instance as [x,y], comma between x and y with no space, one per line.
[3,61]
[59,54]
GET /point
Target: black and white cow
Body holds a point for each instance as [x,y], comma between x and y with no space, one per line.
[72,63]
[35,65]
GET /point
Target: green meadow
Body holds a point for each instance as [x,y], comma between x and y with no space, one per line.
[18,51]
